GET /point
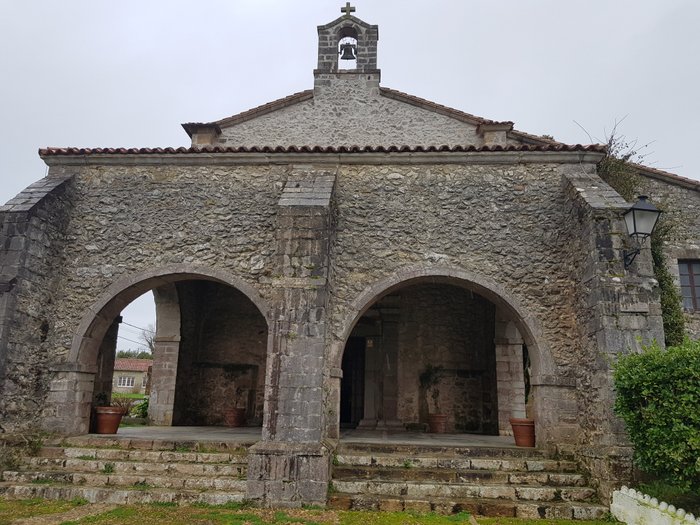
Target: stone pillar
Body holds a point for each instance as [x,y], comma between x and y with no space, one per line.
[69,401]
[290,467]
[105,364]
[374,355]
[389,372]
[510,378]
[163,380]
[622,313]
[165,356]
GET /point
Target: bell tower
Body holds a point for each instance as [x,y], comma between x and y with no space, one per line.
[347,45]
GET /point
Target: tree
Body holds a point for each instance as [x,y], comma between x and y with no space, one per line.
[148,336]
[134,354]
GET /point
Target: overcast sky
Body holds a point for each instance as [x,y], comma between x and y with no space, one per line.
[92,73]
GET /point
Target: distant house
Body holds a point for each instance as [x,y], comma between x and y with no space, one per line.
[131,375]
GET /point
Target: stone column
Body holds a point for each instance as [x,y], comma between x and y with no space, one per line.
[291,465]
[165,356]
[510,378]
[105,363]
[374,355]
[389,372]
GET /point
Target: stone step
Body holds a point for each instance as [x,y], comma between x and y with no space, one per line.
[446,461]
[478,506]
[418,490]
[136,467]
[153,456]
[120,496]
[446,475]
[437,450]
[132,481]
[98,441]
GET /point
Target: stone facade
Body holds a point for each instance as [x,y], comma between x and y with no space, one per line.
[443,238]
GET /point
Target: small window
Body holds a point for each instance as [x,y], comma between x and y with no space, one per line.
[125,381]
[689,272]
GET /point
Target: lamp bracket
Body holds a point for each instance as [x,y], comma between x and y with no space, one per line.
[630,256]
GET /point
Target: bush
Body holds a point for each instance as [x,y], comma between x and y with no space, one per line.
[658,397]
[141,410]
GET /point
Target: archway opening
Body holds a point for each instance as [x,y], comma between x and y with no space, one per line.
[443,329]
[209,352]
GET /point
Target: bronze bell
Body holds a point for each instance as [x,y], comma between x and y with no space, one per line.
[348,51]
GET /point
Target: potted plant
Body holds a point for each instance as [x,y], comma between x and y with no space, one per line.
[524,427]
[107,417]
[430,383]
[235,416]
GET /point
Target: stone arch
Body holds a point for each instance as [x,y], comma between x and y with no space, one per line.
[71,389]
[528,326]
[544,376]
[97,319]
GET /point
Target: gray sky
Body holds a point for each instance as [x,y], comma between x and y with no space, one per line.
[93,73]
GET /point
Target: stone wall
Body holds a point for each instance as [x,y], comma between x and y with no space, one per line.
[532,233]
[450,327]
[680,202]
[222,355]
[359,99]
[32,236]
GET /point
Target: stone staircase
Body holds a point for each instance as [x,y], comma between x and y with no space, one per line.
[124,471]
[490,481]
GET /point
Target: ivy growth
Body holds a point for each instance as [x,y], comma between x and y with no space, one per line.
[618,170]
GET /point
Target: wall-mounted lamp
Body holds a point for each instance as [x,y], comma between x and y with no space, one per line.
[641,220]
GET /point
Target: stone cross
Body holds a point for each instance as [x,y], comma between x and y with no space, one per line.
[347,9]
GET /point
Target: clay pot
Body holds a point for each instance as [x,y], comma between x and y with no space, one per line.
[107,419]
[523,431]
[234,417]
[437,423]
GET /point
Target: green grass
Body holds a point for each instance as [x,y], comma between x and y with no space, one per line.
[11,510]
[243,514]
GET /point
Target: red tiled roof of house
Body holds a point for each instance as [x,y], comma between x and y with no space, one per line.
[132,365]
[47,152]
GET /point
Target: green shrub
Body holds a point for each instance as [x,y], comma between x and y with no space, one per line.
[141,410]
[658,397]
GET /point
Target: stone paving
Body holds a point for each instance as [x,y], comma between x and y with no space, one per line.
[252,434]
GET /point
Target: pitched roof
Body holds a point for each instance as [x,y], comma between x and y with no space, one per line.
[49,152]
[132,365]
[275,105]
[666,176]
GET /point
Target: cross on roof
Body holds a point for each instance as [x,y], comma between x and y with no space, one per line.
[347,9]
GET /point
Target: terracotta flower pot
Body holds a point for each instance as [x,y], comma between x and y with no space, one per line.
[523,431]
[108,419]
[437,423]
[234,417]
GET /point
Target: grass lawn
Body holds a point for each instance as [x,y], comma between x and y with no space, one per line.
[238,514]
[28,508]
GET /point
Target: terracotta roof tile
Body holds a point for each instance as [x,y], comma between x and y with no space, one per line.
[667,176]
[258,111]
[132,365]
[48,152]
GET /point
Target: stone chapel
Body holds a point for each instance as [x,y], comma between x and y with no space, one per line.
[312,258]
